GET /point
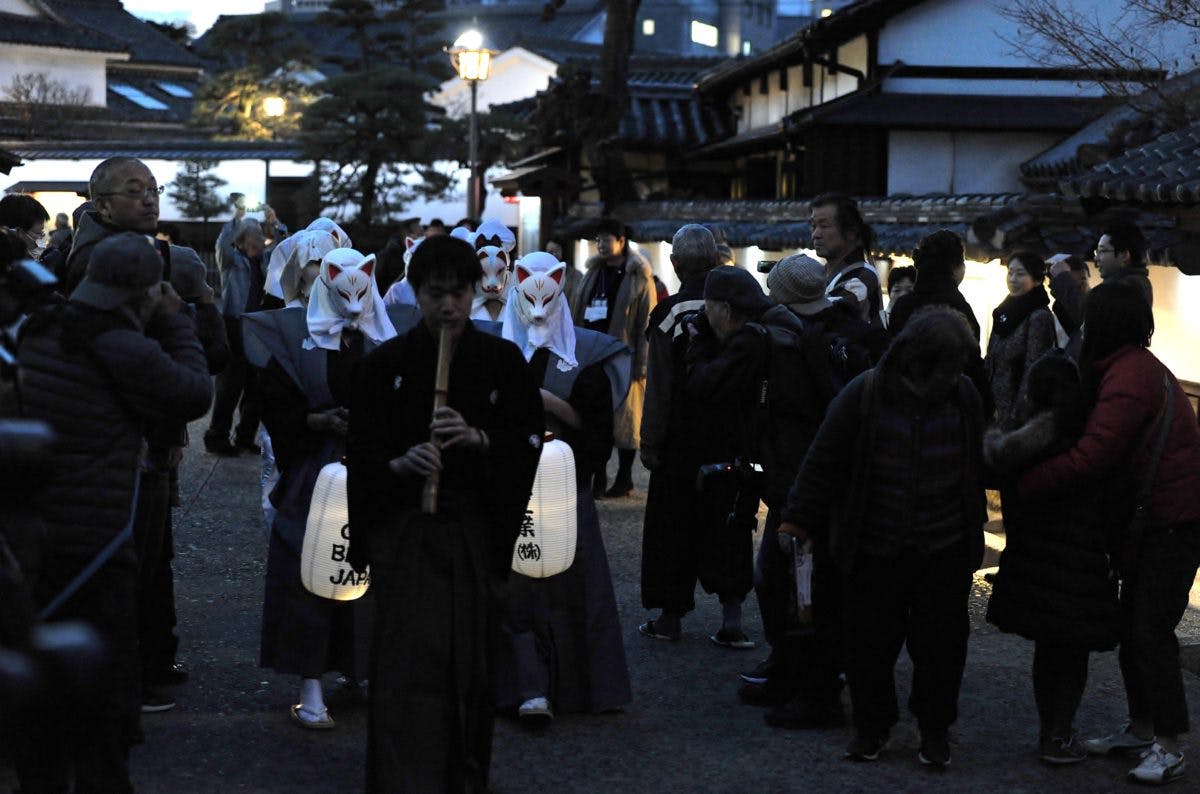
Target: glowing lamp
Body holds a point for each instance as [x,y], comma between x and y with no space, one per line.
[274,106]
[471,58]
[324,568]
[546,543]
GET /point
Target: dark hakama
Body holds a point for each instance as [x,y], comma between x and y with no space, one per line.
[436,578]
[561,637]
[304,634]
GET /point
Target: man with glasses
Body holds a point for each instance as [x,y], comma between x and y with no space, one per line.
[124,196]
[1120,257]
[615,298]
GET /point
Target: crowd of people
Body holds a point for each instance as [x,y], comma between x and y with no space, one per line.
[442,370]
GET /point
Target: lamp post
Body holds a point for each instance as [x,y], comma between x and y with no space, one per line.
[473,62]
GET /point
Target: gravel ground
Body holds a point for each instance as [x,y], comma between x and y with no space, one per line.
[685,730]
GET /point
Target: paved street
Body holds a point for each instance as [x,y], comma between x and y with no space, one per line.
[685,730]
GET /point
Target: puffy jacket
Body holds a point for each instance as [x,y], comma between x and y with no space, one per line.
[99,381]
[1118,438]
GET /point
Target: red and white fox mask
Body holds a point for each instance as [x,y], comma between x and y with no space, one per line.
[345,297]
[495,264]
[536,314]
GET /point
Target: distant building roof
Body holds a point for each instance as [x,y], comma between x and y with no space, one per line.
[816,37]
[48,186]
[108,18]
[46,32]
[154,150]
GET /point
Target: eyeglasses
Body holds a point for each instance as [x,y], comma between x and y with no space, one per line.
[138,195]
[1099,251]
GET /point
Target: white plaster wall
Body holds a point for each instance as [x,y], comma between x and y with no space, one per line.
[973,33]
[74,68]
[920,162]
[959,162]
[21,8]
[1176,321]
[516,74]
[247,177]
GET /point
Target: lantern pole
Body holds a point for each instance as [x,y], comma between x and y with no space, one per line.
[473,156]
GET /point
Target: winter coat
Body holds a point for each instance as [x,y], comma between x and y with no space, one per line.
[830,495]
[664,367]
[241,278]
[635,300]
[1009,357]
[99,380]
[91,231]
[1055,580]
[1117,442]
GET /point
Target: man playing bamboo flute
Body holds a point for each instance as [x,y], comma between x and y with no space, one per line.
[437,577]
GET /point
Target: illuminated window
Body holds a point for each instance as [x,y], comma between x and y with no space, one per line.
[647,27]
[704,34]
[137,96]
[745,48]
[826,12]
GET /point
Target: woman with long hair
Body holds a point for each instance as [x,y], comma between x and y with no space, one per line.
[1140,442]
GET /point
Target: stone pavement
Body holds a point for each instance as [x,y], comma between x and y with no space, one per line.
[685,730]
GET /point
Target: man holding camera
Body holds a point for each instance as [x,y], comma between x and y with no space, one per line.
[240,249]
[119,355]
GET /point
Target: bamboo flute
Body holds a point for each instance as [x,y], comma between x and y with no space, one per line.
[441,387]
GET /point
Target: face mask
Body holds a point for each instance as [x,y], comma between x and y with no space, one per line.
[495,272]
[350,286]
[537,295]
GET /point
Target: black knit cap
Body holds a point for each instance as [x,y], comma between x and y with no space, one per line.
[737,288]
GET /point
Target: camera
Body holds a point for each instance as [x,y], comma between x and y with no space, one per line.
[734,487]
[765,265]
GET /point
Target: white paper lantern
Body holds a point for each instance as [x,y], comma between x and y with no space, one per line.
[324,567]
[546,543]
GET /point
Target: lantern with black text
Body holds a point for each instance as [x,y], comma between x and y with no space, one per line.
[324,568]
[546,543]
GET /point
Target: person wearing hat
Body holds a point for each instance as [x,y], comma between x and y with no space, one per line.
[1022,332]
[159,492]
[716,360]
[119,355]
[800,677]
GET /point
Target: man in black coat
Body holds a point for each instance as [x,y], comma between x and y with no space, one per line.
[669,442]
[437,578]
[119,355]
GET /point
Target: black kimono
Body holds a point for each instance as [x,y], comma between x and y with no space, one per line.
[436,578]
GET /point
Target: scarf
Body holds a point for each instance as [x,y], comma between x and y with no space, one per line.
[1013,310]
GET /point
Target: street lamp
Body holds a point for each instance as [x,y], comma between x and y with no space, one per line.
[473,62]
[274,106]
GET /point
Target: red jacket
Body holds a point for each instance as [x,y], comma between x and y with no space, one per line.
[1117,442]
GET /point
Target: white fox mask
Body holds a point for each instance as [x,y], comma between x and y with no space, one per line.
[344,296]
[350,280]
[536,313]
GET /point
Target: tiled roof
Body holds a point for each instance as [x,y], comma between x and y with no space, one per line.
[154,150]
[899,222]
[1094,142]
[46,186]
[1164,171]
[45,32]
[108,18]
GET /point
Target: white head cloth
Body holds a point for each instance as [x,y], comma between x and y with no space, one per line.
[281,252]
[306,246]
[464,234]
[492,229]
[536,314]
[400,294]
[345,296]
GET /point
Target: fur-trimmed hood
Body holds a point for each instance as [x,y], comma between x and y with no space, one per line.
[1012,451]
